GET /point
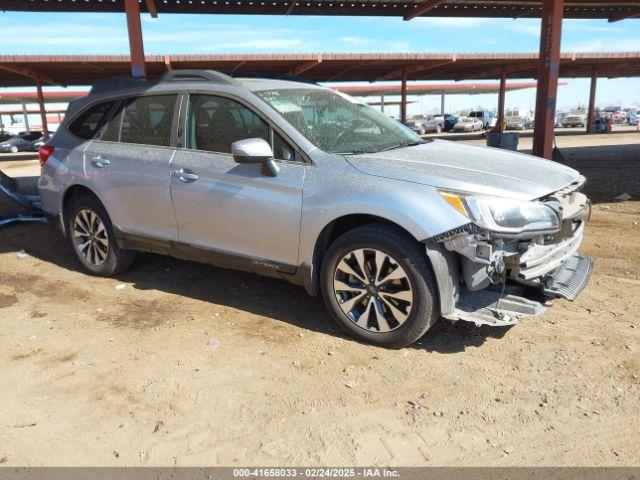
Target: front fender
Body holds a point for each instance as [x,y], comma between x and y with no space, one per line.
[418,209]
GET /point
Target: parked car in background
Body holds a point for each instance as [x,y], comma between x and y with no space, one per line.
[617,115]
[468,124]
[575,119]
[612,109]
[5,136]
[518,119]
[450,119]
[417,124]
[434,125]
[23,142]
[394,231]
[484,116]
[560,117]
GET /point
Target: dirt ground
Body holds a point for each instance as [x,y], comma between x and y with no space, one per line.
[176,363]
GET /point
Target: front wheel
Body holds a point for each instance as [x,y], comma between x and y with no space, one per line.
[92,239]
[13,149]
[379,287]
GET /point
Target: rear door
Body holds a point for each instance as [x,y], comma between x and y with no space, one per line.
[229,207]
[129,165]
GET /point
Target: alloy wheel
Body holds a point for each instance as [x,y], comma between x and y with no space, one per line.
[90,237]
[373,290]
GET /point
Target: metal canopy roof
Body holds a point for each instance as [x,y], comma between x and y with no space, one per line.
[20,70]
[12,98]
[432,89]
[612,10]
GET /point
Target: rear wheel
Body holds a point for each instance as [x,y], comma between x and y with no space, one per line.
[378,285]
[13,149]
[92,239]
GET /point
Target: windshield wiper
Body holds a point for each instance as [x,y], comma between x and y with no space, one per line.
[402,145]
[362,151]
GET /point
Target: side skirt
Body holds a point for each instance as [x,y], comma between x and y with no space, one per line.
[183,251]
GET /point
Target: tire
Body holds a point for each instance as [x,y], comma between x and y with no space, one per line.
[102,257]
[13,149]
[438,129]
[385,319]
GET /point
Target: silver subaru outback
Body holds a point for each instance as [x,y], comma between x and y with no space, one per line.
[303,183]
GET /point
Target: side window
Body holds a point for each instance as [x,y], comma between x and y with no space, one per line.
[88,123]
[111,132]
[281,149]
[144,120]
[214,123]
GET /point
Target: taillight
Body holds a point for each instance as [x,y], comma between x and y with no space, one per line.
[44,152]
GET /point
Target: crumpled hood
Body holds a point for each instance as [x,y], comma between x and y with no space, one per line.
[457,166]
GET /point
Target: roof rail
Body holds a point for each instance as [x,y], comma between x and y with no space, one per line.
[198,76]
[124,81]
[271,76]
[118,83]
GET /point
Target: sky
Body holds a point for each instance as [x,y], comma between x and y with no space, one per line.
[105,33]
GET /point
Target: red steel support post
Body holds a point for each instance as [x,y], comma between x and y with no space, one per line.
[43,111]
[403,100]
[501,100]
[136,46]
[548,74]
[591,116]
[25,117]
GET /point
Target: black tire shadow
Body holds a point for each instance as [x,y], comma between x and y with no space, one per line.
[268,297]
[455,337]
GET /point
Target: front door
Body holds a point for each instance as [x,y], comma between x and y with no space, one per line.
[229,207]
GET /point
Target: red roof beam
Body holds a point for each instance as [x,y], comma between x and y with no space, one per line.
[151,7]
[413,69]
[305,66]
[423,8]
[33,74]
[632,13]
[497,72]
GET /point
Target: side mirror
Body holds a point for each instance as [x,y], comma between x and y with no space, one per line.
[255,150]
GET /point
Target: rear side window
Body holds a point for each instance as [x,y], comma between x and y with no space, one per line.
[148,120]
[143,120]
[89,122]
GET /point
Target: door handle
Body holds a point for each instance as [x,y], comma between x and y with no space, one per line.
[100,161]
[186,176]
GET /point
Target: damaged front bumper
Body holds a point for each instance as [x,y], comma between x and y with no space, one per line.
[497,280]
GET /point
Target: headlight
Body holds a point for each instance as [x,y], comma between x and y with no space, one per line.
[504,215]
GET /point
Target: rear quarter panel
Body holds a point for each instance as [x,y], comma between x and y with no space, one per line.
[64,169]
